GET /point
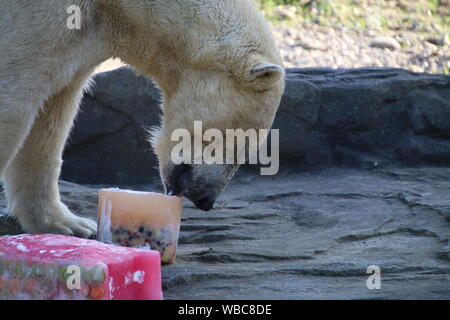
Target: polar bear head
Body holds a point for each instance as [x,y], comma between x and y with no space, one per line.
[215,62]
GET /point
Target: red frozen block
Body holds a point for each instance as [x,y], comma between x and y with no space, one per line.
[61,267]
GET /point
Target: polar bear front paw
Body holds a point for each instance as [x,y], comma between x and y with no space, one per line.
[56,219]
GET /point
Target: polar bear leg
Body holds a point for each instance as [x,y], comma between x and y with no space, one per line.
[31,180]
[16,120]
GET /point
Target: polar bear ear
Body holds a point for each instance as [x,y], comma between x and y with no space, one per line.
[264,75]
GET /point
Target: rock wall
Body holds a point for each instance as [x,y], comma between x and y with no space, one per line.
[357,117]
[108,143]
[365,117]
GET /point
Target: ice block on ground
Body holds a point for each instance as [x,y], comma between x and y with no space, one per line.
[140,219]
[51,267]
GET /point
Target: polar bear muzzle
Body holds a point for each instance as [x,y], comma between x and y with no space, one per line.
[181,183]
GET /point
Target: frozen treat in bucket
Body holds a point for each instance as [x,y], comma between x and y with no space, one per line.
[140,220]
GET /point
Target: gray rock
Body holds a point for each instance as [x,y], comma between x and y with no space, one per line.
[383,42]
[309,236]
[436,41]
[311,44]
[108,143]
[286,12]
[346,117]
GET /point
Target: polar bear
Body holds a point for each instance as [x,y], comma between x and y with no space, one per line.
[214,61]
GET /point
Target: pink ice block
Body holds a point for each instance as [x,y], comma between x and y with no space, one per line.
[61,267]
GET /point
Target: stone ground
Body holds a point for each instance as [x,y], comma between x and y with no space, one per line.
[312,45]
[309,235]
[414,35]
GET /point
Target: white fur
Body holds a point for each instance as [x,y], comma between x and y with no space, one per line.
[200,53]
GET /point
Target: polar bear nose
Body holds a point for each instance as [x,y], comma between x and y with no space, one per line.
[204,203]
[181,183]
